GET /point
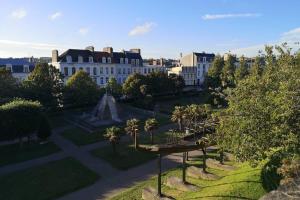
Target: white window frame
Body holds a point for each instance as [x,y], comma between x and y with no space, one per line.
[91,59]
[103,59]
[80,59]
[69,59]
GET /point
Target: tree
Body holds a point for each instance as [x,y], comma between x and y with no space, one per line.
[264,113]
[242,71]
[227,76]
[45,85]
[18,119]
[8,86]
[177,83]
[81,90]
[113,135]
[177,116]
[203,143]
[151,125]
[257,67]
[131,87]
[44,129]
[213,78]
[132,128]
[114,87]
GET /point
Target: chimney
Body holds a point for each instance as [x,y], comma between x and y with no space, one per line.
[90,48]
[161,62]
[180,55]
[136,51]
[54,56]
[108,49]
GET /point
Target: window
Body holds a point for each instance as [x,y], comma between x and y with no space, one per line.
[73,70]
[106,70]
[101,70]
[204,59]
[149,70]
[128,70]
[124,71]
[66,72]
[152,69]
[132,62]
[134,70]
[204,69]
[145,71]
[103,60]
[119,71]
[108,60]
[26,69]
[80,59]
[101,81]
[137,62]
[121,60]
[112,70]
[91,59]
[95,71]
[106,80]
[69,59]
[119,80]
[124,79]
[87,70]
[9,68]
[126,60]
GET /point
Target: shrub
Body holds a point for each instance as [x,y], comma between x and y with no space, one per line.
[44,129]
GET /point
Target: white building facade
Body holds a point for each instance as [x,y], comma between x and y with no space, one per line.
[202,61]
[100,65]
[20,68]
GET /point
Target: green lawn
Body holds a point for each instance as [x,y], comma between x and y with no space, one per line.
[126,158]
[80,137]
[12,153]
[47,181]
[243,183]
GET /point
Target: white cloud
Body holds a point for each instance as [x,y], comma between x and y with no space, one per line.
[142,29]
[19,13]
[83,31]
[291,36]
[230,15]
[55,15]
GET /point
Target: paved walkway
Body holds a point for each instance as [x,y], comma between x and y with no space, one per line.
[112,181]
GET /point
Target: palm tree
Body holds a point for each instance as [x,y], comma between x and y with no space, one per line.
[151,125]
[132,128]
[177,116]
[113,135]
[203,143]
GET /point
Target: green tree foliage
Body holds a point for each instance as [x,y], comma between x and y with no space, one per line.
[132,128]
[9,86]
[227,75]
[177,83]
[264,113]
[45,85]
[150,126]
[19,119]
[213,78]
[242,71]
[44,129]
[113,135]
[178,116]
[131,87]
[257,67]
[81,90]
[113,87]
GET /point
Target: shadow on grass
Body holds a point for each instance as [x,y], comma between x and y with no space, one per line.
[220,196]
[230,183]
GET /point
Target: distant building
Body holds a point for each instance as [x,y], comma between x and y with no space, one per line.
[19,67]
[153,65]
[189,74]
[100,65]
[202,61]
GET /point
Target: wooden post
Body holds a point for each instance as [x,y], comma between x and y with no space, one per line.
[159,176]
[183,167]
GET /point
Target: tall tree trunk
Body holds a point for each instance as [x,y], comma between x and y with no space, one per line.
[136,144]
[179,125]
[204,160]
[151,135]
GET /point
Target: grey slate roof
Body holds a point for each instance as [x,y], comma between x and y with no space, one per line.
[17,64]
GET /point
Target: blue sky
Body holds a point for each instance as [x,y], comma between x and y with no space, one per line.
[161,28]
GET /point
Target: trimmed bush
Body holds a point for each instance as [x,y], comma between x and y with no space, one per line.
[44,129]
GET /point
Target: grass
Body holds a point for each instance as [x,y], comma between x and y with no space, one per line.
[126,158]
[80,137]
[47,181]
[243,183]
[12,153]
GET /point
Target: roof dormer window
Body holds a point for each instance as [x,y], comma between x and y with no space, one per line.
[26,69]
[121,60]
[91,59]
[80,59]
[69,59]
[132,62]
[126,60]
[103,60]
[137,62]
[108,60]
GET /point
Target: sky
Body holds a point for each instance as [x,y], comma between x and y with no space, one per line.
[160,28]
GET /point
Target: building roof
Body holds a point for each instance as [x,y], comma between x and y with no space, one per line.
[17,64]
[97,55]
